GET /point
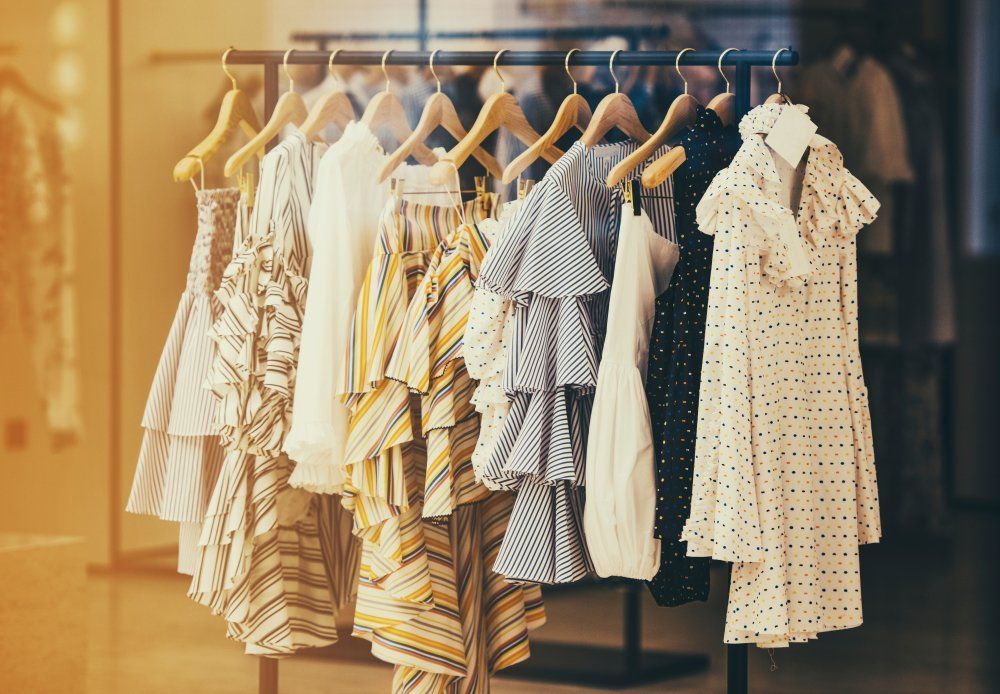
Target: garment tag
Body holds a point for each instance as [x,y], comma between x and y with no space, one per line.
[790,135]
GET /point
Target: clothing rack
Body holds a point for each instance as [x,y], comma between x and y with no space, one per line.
[567,663]
[632,34]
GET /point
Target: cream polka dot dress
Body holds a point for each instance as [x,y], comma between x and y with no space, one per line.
[784,479]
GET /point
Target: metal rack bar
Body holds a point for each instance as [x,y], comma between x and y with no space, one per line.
[513,58]
[633,33]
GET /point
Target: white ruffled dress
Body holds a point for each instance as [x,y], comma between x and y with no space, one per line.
[784,477]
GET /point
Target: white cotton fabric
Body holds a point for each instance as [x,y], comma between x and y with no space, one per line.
[342,228]
[620,510]
[484,349]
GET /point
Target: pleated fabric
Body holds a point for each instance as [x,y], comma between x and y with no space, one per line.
[276,562]
[427,599]
[554,262]
[181,454]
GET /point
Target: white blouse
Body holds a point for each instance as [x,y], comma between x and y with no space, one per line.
[343,227]
[784,479]
[620,509]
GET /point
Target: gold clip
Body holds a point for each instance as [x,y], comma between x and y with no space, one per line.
[245,182]
[626,187]
[480,185]
[524,186]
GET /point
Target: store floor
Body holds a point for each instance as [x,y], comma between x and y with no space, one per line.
[932,624]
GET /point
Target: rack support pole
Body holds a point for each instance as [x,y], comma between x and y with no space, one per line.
[270,89]
[737,675]
[267,676]
[742,88]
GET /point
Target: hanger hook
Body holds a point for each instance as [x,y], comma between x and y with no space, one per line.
[430,64]
[388,84]
[611,67]
[677,67]
[329,63]
[284,64]
[568,73]
[774,66]
[496,69]
[722,57]
[225,68]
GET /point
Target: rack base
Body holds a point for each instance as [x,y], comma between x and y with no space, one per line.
[593,666]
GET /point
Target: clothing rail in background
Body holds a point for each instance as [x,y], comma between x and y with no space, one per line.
[632,34]
[567,663]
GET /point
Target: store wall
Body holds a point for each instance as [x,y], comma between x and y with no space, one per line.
[62,48]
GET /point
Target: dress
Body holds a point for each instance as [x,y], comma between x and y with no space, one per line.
[554,262]
[620,510]
[181,454]
[426,599]
[494,617]
[487,337]
[675,353]
[277,562]
[784,479]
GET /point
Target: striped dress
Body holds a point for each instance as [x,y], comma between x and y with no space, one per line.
[427,599]
[276,562]
[180,455]
[554,262]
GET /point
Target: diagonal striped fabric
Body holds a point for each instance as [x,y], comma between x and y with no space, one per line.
[276,562]
[554,262]
[427,599]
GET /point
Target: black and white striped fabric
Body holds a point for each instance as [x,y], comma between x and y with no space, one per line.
[181,454]
[555,263]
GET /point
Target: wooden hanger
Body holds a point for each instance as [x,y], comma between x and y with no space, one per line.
[501,110]
[334,108]
[615,111]
[385,109]
[724,104]
[574,112]
[779,96]
[236,111]
[663,167]
[289,109]
[680,115]
[439,111]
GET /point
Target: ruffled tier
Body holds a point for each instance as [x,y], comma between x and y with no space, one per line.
[178,402]
[792,621]
[180,454]
[543,439]
[442,616]
[175,476]
[277,564]
[236,370]
[544,542]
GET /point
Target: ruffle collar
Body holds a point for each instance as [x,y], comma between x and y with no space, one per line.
[833,201]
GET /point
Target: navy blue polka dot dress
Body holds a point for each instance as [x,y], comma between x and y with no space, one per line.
[675,354]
